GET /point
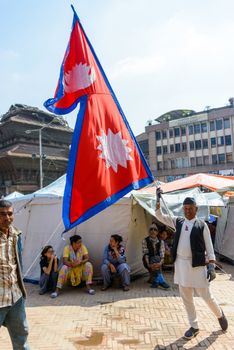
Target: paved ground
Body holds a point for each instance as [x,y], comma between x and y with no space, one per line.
[142,319]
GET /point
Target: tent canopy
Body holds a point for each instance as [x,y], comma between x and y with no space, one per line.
[210,181]
[14,195]
[174,201]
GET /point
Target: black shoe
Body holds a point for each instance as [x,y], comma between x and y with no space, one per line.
[223,322]
[104,288]
[41,292]
[164,285]
[126,288]
[191,333]
[154,285]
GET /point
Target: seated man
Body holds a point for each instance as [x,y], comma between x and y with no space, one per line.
[76,266]
[153,251]
[114,263]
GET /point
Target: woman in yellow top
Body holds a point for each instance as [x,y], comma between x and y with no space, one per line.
[76,266]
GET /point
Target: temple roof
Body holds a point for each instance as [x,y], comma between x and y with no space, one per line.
[24,112]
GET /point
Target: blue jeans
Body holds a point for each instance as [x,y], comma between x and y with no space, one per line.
[123,271]
[14,319]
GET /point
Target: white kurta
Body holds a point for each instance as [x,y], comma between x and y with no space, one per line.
[185,274]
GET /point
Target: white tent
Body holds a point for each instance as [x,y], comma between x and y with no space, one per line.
[224,239]
[14,195]
[39,216]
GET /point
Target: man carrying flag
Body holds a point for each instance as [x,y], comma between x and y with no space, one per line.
[105,160]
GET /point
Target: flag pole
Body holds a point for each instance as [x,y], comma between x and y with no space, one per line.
[164,203]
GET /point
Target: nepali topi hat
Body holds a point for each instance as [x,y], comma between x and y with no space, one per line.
[189,200]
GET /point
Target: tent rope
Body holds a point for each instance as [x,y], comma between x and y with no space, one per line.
[46,243]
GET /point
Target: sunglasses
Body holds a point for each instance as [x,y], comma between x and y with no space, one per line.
[153,229]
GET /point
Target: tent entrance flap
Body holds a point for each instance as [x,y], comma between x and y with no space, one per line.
[174,201]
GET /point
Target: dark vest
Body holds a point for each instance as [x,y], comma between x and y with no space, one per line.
[196,240]
[151,247]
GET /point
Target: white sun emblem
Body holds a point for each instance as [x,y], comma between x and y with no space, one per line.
[81,76]
[114,149]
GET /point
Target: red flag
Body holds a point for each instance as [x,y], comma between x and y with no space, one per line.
[105,160]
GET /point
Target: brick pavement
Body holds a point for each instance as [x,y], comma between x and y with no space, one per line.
[142,319]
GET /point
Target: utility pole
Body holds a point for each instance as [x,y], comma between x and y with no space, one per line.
[39,130]
[40,156]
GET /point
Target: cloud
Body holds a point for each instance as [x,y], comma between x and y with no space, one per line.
[6,55]
[136,66]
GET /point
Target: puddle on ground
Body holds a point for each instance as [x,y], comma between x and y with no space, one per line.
[95,339]
[128,341]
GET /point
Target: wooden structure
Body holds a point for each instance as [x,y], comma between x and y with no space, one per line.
[19,148]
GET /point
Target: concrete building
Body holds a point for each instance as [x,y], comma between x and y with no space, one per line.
[19,148]
[184,142]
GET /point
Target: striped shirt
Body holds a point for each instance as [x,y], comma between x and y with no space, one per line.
[145,250]
[10,291]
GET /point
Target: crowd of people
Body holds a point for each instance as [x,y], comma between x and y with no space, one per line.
[191,252]
[77,268]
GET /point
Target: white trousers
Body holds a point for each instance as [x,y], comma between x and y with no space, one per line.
[187,295]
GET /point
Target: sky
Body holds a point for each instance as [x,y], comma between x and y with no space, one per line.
[158,55]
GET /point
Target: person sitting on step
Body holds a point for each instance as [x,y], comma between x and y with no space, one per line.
[114,263]
[76,266]
[153,251]
[49,270]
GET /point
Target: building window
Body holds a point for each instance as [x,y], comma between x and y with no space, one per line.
[164,149]
[171,133]
[160,165]
[183,130]
[203,127]
[219,124]
[159,150]
[198,144]
[206,160]
[191,145]
[164,134]
[171,148]
[158,135]
[177,147]
[190,129]
[220,141]
[228,140]
[204,143]
[226,123]
[144,145]
[214,159]
[229,157]
[185,162]
[212,126]
[173,164]
[192,161]
[178,163]
[221,158]
[199,161]
[184,146]
[197,129]
[213,142]
[177,132]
